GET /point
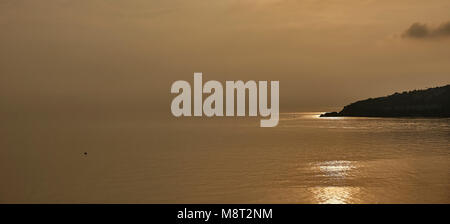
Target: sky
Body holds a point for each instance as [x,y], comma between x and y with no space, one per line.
[120,57]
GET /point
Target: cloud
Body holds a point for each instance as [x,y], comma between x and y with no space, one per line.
[443,30]
[423,31]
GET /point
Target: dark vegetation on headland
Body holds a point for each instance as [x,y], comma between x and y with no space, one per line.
[432,102]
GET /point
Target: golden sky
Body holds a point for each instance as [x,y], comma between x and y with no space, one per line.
[106,54]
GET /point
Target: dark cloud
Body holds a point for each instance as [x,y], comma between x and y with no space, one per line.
[422,31]
[417,30]
[443,30]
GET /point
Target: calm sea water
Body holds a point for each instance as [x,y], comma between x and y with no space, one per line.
[305,159]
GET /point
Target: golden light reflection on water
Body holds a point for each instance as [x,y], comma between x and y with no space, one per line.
[334,168]
[334,195]
[331,118]
[334,172]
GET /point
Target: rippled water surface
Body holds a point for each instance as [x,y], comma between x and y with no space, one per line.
[305,159]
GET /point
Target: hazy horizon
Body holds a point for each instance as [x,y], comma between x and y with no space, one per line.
[110,55]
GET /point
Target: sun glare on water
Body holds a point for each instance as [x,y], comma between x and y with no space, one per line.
[337,171]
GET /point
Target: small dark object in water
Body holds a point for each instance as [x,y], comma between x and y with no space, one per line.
[85,153]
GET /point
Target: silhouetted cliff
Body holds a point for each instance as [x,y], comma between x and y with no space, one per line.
[433,102]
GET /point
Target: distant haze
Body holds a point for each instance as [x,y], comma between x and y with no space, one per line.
[79,58]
